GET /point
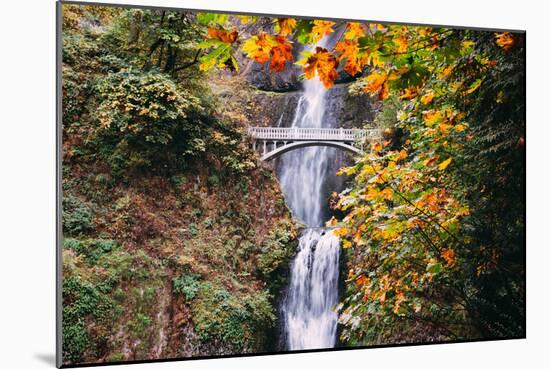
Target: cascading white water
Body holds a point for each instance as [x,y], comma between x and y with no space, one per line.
[310,319]
[308,309]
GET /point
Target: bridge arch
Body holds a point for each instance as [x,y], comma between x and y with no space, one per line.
[299,144]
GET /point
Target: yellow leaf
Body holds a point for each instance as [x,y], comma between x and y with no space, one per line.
[246,19]
[320,29]
[432,117]
[340,232]
[346,244]
[377,83]
[354,30]
[285,26]
[259,47]
[387,193]
[402,154]
[460,127]
[466,44]
[427,98]
[444,164]
[474,86]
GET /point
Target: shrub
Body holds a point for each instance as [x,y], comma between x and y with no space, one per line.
[76,216]
[145,120]
[233,318]
[81,299]
[92,249]
[187,285]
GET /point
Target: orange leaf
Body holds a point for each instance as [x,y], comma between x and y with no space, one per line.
[402,44]
[505,40]
[280,54]
[349,50]
[361,280]
[387,193]
[223,36]
[449,256]
[427,98]
[409,93]
[324,64]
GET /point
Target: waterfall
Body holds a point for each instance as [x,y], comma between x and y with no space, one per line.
[308,308]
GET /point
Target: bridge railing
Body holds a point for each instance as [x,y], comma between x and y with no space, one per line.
[311,134]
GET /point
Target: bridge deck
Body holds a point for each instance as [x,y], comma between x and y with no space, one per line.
[311,134]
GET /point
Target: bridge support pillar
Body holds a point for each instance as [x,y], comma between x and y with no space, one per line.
[265,147]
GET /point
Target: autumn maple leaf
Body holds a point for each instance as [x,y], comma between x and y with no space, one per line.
[402,44]
[505,40]
[449,256]
[410,93]
[320,29]
[377,83]
[259,47]
[348,50]
[285,26]
[354,30]
[322,63]
[222,35]
[280,54]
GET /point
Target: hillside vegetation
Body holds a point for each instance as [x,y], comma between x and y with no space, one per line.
[166,251]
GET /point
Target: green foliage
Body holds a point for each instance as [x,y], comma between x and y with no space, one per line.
[147,121]
[91,249]
[187,285]
[277,249]
[221,315]
[213,180]
[76,216]
[81,300]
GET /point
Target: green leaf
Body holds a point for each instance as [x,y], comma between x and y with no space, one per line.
[303,31]
[212,18]
[434,268]
[217,55]
[208,43]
